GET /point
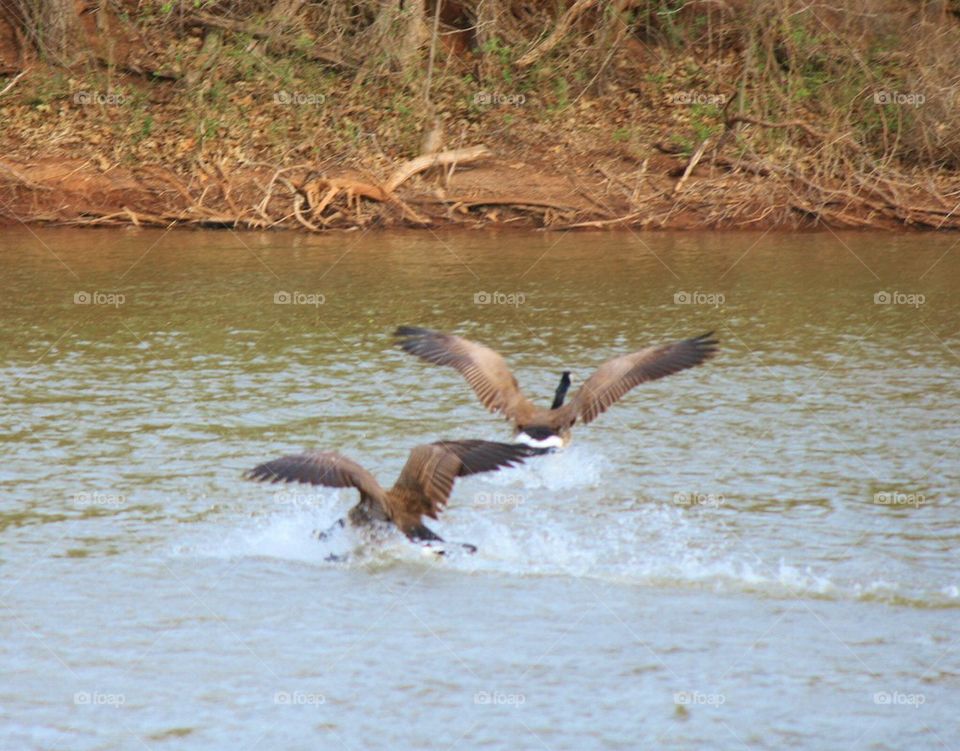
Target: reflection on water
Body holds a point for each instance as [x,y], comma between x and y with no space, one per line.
[799,489]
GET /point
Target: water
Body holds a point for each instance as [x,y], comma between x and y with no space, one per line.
[759,553]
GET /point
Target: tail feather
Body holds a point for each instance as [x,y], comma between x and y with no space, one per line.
[422,533]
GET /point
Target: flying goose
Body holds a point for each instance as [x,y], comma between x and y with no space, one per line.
[423,488]
[488,375]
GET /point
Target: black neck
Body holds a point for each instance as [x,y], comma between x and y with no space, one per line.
[561,392]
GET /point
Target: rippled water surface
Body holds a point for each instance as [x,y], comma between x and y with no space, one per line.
[760,553]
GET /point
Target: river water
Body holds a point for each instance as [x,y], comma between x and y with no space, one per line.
[760,553]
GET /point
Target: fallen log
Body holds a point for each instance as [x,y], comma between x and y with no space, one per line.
[500,201]
[440,159]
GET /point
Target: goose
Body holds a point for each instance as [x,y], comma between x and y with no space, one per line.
[423,488]
[488,375]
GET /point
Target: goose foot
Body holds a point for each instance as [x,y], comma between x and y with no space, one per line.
[323,535]
[439,548]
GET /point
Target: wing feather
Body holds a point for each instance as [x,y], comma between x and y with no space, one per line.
[616,377]
[427,479]
[484,370]
[326,468]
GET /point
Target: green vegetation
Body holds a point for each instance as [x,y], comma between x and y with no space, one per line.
[788,59]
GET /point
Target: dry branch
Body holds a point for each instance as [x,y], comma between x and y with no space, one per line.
[598,223]
[556,36]
[509,200]
[13,81]
[808,129]
[691,165]
[317,53]
[442,158]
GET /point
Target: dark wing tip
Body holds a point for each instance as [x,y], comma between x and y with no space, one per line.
[486,456]
[406,331]
[418,341]
[266,472]
[311,468]
[515,453]
[705,344]
[529,451]
[520,449]
[432,346]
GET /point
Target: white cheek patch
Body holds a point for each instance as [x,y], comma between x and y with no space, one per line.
[551,442]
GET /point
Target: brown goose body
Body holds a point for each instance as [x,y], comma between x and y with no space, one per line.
[488,375]
[423,488]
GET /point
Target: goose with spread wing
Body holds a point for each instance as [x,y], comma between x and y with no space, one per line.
[422,490]
[490,378]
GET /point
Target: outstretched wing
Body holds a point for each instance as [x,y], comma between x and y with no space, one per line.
[616,377]
[485,370]
[425,484]
[319,468]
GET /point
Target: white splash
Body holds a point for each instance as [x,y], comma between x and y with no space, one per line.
[543,529]
[572,467]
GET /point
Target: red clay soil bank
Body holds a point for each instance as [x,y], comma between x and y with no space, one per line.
[657,194]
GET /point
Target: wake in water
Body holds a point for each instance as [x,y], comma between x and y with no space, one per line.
[525,522]
[655,545]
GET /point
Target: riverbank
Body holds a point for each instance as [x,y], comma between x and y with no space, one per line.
[491,191]
[708,120]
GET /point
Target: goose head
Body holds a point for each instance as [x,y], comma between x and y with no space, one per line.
[561,391]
